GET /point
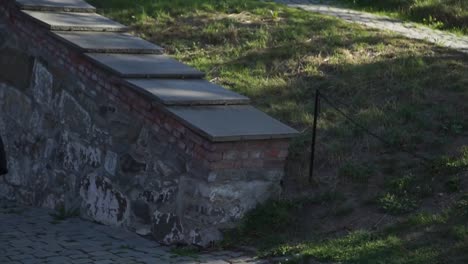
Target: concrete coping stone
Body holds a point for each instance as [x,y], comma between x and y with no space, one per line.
[232,123]
[71,21]
[144,66]
[218,114]
[56,5]
[187,92]
[107,42]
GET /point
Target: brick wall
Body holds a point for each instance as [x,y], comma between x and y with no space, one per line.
[150,173]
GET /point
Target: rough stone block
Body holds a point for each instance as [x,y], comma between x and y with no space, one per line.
[187,92]
[144,66]
[102,202]
[75,21]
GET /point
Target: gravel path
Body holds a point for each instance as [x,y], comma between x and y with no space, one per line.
[407,29]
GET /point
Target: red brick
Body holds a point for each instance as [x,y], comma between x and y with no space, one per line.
[273,164]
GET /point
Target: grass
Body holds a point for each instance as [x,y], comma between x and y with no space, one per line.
[279,56]
[421,238]
[190,252]
[412,94]
[449,15]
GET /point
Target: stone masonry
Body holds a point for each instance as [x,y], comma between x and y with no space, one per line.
[99,121]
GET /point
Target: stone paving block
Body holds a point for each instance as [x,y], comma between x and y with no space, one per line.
[230,123]
[81,261]
[213,260]
[66,21]
[21,257]
[58,259]
[44,254]
[56,5]
[188,262]
[78,256]
[146,251]
[107,42]
[187,92]
[103,262]
[30,261]
[144,66]
[100,253]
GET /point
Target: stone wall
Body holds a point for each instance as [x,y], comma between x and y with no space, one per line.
[78,137]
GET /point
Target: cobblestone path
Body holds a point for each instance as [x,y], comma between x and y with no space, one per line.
[407,29]
[32,235]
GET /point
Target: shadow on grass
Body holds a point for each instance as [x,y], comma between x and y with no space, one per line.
[423,238]
[409,92]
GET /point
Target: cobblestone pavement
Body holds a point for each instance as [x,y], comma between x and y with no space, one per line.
[407,29]
[32,235]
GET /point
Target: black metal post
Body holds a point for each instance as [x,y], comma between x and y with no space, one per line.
[3,159]
[314,135]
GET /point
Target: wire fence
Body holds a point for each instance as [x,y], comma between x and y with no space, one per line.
[333,103]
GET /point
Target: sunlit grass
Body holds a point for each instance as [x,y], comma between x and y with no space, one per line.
[449,15]
[411,93]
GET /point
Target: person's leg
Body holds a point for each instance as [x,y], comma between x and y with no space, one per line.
[3,159]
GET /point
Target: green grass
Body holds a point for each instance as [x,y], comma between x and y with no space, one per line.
[190,252]
[421,238]
[411,93]
[449,15]
[278,56]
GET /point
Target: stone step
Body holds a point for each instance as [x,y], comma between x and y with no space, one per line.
[67,21]
[56,5]
[232,123]
[187,92]
[107,42]
[144,66]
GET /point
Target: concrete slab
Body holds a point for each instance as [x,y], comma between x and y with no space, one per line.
[144,66]
[67,21]
[107,42]
[56,5]
[231,123]
[187,92]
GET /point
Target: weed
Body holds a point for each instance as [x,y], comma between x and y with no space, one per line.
[126,246]
[397,204]
[459,232]
[461,206]
[62,213]
[191,252]
[433,22]
[266,224]
[277,220]
[461,161]
[453,184]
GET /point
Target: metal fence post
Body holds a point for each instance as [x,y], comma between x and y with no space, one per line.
[314,135]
